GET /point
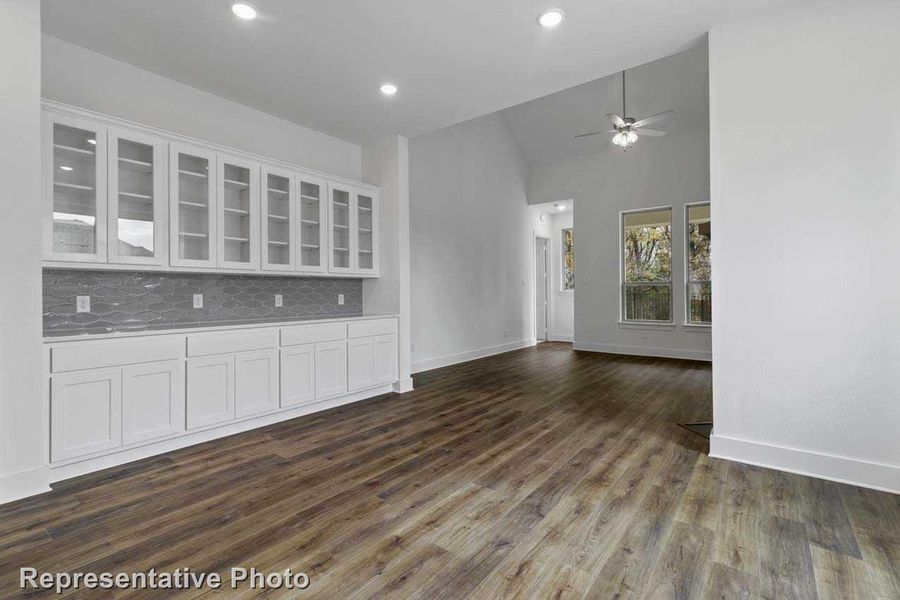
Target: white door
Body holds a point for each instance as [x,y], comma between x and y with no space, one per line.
[255,382]
[277,194]
[331,369]
[85,413]
[359,364]
[74,171]
[238,213]
[138,209]
[541,287]
[152,400]
[384,352]
[192,206]
[210,390]
[298,375]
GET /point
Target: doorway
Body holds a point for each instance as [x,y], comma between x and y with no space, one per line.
[541,288]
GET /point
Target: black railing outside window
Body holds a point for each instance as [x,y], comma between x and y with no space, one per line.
[648,301]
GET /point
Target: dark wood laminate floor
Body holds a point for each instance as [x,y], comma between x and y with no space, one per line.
[541,473]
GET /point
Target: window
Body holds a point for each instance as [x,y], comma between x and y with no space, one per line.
[568,259]
[698,285]
[647,265]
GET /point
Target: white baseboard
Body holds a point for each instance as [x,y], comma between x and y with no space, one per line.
[559,337]
[58,472]
[643,351]
[453,359]
[878,476]
[404,385]
[16,486]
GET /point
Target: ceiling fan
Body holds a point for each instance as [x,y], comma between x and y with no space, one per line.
[626,129]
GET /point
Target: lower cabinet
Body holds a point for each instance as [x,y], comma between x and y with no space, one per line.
[331,369]
[210,390]
[372,361]
[255,382]
[85,412]
[152,400]
[298,375]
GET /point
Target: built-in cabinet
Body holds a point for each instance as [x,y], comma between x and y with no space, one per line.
[118,394]
[130,196]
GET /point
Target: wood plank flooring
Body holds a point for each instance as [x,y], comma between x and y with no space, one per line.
[541,473]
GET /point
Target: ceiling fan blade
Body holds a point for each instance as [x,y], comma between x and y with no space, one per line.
[654,118]
[616,119]
[650,132]
[590,134]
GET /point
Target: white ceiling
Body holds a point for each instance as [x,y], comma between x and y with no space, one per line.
[545,129]
[320,64]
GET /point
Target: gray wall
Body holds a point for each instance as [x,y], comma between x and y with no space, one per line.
[122,300]
[470,243]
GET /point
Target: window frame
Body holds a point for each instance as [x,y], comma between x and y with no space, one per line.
[622,283]
[687,264]
[562,259]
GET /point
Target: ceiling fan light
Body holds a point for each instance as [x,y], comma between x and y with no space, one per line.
[631,136]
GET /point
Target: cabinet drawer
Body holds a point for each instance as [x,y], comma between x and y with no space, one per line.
[311,334]
[111,353]
[369,328]
[231,341]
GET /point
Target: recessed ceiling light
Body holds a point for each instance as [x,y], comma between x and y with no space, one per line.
[551,18]
[244,11]
[388,89]
[66,168]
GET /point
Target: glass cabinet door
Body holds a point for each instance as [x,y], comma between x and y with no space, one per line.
[339,219]
[366,232]
[238,213]
[75,152]
[136,199]
[192,206]
[277,221]
[311,224]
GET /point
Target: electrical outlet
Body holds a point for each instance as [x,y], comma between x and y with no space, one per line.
[198,300]
[279,301]
[82,304]
[340,299]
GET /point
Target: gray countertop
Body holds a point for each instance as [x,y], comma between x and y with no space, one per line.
[60,335]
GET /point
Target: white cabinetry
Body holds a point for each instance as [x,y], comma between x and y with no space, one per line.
[85,412]
[298,375]
[278,208]
[384,359]
[192,212]
[238,213]
[255,382]
[360,364]
[152,400]
[312,224]
[210,390]
[371,353]
[74,168]
[331,369]
[137,210]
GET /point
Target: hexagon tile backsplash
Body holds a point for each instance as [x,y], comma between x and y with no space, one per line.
[135,300]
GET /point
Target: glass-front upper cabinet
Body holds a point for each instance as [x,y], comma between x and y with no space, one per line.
[366,233]
[74,189]
[341,213]
[312,218]
[278,234]
[137,199]
[238,220]
[192,206]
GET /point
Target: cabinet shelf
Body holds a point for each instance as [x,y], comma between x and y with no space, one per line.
[193,173]
[138,166]
[310,246]
[135,196]
[364,230]
[237,211]
[339,226]
[237,239]
[73,152]
[309,222]
[74,187]
[364,209]
[277,243]
[277,218]
[195,205]
[277,191]
[189,234]
[309,198]
[341,204]
[236,184]
[365,252]
[337,249]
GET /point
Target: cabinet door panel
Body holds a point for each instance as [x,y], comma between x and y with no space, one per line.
[385,359]
[137,199]
[192,206]
[298,375]
[312,224]
[152,401]
[74,166]
[331,369]
[85,412]
[366,231]
[277,205]
[238,213]
[359,364]
[255,382]
[210,390]
[341,220]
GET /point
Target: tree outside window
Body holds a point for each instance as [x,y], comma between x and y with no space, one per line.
[568,259]
[699,285]
[647,258]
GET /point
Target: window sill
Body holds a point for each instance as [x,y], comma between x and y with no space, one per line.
[646,325]
[698,326]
